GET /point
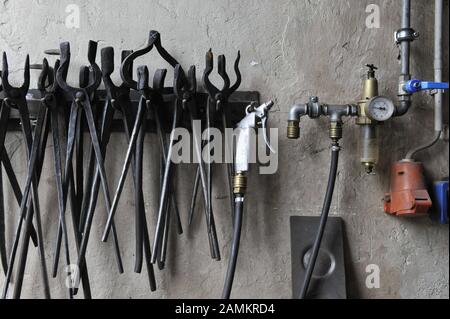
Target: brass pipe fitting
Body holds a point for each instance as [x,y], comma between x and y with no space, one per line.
[368,127]
[370,90]
[239,183]
[293,129]
[335,131]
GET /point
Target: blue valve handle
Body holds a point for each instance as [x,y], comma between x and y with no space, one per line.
[413,86]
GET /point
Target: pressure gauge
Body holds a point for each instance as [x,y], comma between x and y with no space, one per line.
[379,108]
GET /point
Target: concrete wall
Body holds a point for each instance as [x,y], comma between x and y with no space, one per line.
[301,48]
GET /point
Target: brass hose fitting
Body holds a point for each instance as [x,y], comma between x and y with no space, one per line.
[239,183]
[335,131]
[293,129]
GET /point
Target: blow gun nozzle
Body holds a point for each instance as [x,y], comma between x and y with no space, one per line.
[268,104]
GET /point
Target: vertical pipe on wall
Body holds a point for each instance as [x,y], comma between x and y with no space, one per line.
[405,45]
[404,99]
[438,15]
[406,14]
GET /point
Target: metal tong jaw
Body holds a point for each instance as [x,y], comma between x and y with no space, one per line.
[154,39]
[153,92]
[214,93]
[114,92]
[79,94]
[185,87]
[12,94]
[47,83]
[47,77]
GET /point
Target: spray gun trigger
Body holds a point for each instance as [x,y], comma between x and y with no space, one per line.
[266,139]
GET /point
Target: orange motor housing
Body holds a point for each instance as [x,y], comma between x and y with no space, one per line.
[408,194]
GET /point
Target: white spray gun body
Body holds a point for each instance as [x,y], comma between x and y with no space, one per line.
[254,117]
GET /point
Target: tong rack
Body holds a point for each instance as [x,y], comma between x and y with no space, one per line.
[239,100]
[23,110]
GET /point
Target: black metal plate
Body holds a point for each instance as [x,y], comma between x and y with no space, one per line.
[328,280]
[237,104]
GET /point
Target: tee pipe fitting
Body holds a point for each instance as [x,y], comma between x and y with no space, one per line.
[314,109]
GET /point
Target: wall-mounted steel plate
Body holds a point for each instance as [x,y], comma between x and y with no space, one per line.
[238,101]
[328,281]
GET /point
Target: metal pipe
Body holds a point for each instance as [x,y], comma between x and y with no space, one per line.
[403,106]
[314,109]
[297,111]
[295,114]
[405,45]
[438,16]
[405,48]
[404,99]
[406,14]
[336,112]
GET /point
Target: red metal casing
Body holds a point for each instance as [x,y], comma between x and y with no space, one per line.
[408,194]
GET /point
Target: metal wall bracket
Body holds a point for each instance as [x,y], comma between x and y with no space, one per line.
[237,104]
[328,281]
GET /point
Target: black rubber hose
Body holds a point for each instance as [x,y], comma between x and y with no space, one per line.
[3,252]
[323,219]
[238,212]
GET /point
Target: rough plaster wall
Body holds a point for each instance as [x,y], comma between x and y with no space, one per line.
[301,48]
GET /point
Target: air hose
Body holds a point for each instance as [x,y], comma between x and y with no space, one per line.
[237,225]
[323,219]
[254,117]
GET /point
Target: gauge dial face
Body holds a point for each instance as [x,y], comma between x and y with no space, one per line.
[380,108]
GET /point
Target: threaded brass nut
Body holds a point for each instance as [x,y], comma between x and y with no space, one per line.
[239,183]
[335,131]
[293,129]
